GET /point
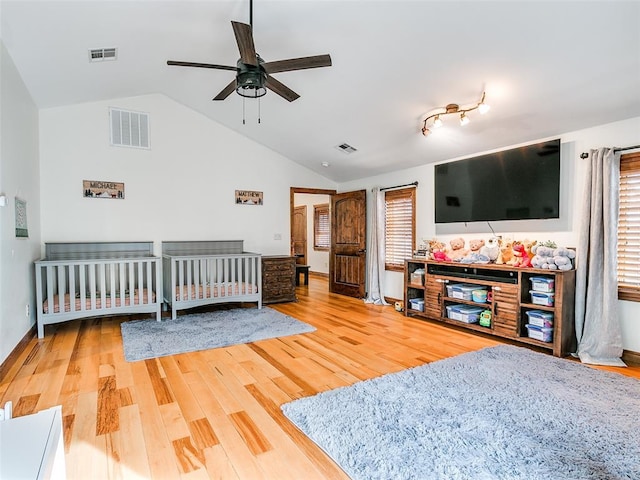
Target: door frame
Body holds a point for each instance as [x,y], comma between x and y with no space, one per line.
[292,192]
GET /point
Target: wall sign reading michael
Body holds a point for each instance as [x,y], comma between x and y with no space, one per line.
[247,197]
[100,189]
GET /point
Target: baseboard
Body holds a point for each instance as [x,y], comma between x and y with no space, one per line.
[10,361]
[392,300]
[318,274]
[630,357]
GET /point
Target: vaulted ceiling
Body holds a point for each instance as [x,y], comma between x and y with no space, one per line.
[546,67]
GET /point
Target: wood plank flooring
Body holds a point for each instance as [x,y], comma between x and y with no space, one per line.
[216,413]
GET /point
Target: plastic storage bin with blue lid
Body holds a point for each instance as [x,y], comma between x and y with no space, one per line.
[542,284]
[538,318]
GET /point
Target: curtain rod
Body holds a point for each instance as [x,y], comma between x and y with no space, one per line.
[621,149]
[415,184]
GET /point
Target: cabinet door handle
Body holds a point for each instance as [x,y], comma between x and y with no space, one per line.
[439,297]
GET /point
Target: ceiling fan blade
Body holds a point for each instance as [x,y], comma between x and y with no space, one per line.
[297,64]
[226,91]
[200,65]
[244,39]
[281,89]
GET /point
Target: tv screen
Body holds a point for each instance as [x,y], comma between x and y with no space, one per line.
[518,184]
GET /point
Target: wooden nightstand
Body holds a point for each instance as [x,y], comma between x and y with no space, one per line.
[278,279]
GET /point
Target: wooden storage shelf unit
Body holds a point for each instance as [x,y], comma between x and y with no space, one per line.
[509,299]
[278,279]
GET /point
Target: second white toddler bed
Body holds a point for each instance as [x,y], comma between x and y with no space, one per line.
[200,273]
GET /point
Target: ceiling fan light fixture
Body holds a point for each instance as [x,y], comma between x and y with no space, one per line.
[250,82]
[251,91]
[435,119]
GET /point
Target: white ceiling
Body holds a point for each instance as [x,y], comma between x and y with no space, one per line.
[547,68]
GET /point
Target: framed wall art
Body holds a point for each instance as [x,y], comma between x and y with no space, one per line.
[102,189]
[21,218]
[247,197]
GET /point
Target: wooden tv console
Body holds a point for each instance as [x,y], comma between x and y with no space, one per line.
[511,299]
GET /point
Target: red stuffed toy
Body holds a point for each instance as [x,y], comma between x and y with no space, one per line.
[520,255]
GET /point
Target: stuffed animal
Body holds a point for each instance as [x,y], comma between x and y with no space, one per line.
[475,245]
[436,246]
[457,252]
[474,255]
[506,252]
[563,257]
[491,249]
[529,245]
[543,257]
[440,256]
[520,256]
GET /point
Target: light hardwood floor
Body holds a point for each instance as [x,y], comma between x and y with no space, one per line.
[216,413]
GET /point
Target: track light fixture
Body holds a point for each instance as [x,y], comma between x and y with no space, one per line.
[453,108]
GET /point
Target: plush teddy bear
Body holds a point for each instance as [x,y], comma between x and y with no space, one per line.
[457,252]
[506,252]
[474,255]
[491,249]
[529,245]
[475,245]
[437,247]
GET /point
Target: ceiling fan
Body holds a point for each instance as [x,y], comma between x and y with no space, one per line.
[253,74]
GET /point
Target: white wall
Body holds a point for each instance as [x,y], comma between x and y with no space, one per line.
[563,231]
[181,189]
[18,178]
[318,261]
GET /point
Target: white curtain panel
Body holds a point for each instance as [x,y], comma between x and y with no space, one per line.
[597,323]
[375,251]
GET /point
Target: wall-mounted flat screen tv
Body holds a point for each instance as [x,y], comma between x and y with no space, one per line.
[517,184]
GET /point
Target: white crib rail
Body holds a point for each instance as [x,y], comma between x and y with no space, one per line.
[69,289]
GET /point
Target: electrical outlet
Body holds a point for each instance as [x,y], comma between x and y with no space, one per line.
[27,310]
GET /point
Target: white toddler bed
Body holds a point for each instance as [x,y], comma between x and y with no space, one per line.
[208,272]
[78,280]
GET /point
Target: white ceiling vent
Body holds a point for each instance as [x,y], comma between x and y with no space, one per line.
[346,148]
[103,54]
[129,129]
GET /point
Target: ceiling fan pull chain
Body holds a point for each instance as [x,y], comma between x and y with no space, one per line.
[258,109]
[243,111]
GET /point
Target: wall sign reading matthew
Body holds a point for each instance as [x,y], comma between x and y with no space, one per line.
[247,197]
[99,189]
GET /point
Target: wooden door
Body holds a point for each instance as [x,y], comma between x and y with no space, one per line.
[299,234]
[347,259]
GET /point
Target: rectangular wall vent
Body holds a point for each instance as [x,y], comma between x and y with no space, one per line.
[129,129]
[346,148]
[103,54]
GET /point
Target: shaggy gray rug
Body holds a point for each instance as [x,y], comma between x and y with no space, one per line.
[144,339]
[499,413]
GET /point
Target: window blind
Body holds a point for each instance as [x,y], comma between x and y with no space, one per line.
[400,227]
[321,227]
[629,228]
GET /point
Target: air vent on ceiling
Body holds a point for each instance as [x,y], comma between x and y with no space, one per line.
[346,148]
[103,54]
[129,129]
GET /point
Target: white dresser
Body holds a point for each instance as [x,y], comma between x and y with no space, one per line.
[32,446]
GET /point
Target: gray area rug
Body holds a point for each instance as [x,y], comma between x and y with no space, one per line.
[143,339]
[499,413]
